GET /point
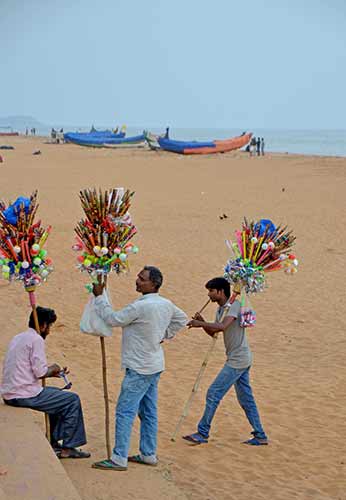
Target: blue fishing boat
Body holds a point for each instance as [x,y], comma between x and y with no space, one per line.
[206,147]
[100,141]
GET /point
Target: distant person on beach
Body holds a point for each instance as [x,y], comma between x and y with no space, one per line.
[25,366]
[262,146]
[258,146]
[146,323]
[253,143]
[237,367]
[167,133]
[26,131]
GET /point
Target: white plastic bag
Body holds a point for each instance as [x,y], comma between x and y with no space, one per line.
[91,323]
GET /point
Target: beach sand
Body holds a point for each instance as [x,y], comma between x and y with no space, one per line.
[299,342]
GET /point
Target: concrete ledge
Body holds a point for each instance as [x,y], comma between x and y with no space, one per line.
[33,470]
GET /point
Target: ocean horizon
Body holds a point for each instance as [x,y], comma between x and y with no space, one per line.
[307,142]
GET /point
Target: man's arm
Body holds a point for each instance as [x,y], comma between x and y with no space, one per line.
[124,317]
[178,322]
[52,371]
[212,328]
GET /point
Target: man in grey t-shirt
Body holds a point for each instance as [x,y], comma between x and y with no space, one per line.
[236,369]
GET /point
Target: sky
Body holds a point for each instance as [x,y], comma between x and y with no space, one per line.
[278,64]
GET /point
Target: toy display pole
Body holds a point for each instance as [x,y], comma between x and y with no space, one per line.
[105,388]
[196,384]
[32,298]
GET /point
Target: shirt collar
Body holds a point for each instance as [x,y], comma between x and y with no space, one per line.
[226,304]
[148,295]
[32,330]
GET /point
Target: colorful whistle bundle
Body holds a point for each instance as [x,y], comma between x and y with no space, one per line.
[104,235]
[260,247]
[22,253]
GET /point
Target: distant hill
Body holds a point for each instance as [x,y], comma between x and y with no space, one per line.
[21,122]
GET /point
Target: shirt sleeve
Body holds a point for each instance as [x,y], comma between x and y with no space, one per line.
[123,317]
[178,321]
[234,309]
[38,358]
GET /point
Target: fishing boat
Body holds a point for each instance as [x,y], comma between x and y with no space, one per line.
[152,140]
[106,141]
[136,141]
[206,147]
[94,137]
[7,132]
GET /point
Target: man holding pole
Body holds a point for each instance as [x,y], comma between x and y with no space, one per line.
[146,323]
[236,369]
[24,368]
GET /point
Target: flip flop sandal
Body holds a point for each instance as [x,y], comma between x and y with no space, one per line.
[137,459]
[195,439]
[107,465]
[74,453]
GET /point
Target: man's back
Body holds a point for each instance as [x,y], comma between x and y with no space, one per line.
[24,364]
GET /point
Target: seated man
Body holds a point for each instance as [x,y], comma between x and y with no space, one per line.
[24,366]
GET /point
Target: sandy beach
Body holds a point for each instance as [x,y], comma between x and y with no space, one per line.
[299,342]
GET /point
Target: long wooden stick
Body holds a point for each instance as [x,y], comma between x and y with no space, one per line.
[105,388]
[32,298]
[196,384]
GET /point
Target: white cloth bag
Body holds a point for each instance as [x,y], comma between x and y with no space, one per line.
[91,323]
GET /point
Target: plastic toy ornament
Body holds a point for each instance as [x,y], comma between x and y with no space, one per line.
[103,235]
[22,241]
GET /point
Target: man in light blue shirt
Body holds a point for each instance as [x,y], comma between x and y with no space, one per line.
[146,323]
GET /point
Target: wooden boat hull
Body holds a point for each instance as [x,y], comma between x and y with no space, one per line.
[200,148]
[101,142]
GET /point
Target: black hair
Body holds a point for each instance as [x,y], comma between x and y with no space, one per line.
[155,276]
[219,284]
[44,315]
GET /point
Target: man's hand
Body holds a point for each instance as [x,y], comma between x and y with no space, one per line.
[53,371]
[194,323]
[65,370]
[98,289]
[198,316]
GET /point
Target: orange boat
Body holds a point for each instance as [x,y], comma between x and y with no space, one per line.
[203,148]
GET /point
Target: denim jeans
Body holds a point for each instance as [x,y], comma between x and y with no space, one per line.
[138,396]
[65,414]
[227,377]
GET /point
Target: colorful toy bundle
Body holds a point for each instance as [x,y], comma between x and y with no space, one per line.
[260,248]
[104,235]
[22,253]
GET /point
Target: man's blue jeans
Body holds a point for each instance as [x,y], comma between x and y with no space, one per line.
[227,377]
[138,396]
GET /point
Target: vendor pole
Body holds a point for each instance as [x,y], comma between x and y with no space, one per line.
[105,387]
[103,237]
[23,258]
[32,299]
[197,382]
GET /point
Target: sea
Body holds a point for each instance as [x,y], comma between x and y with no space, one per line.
[307,142]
